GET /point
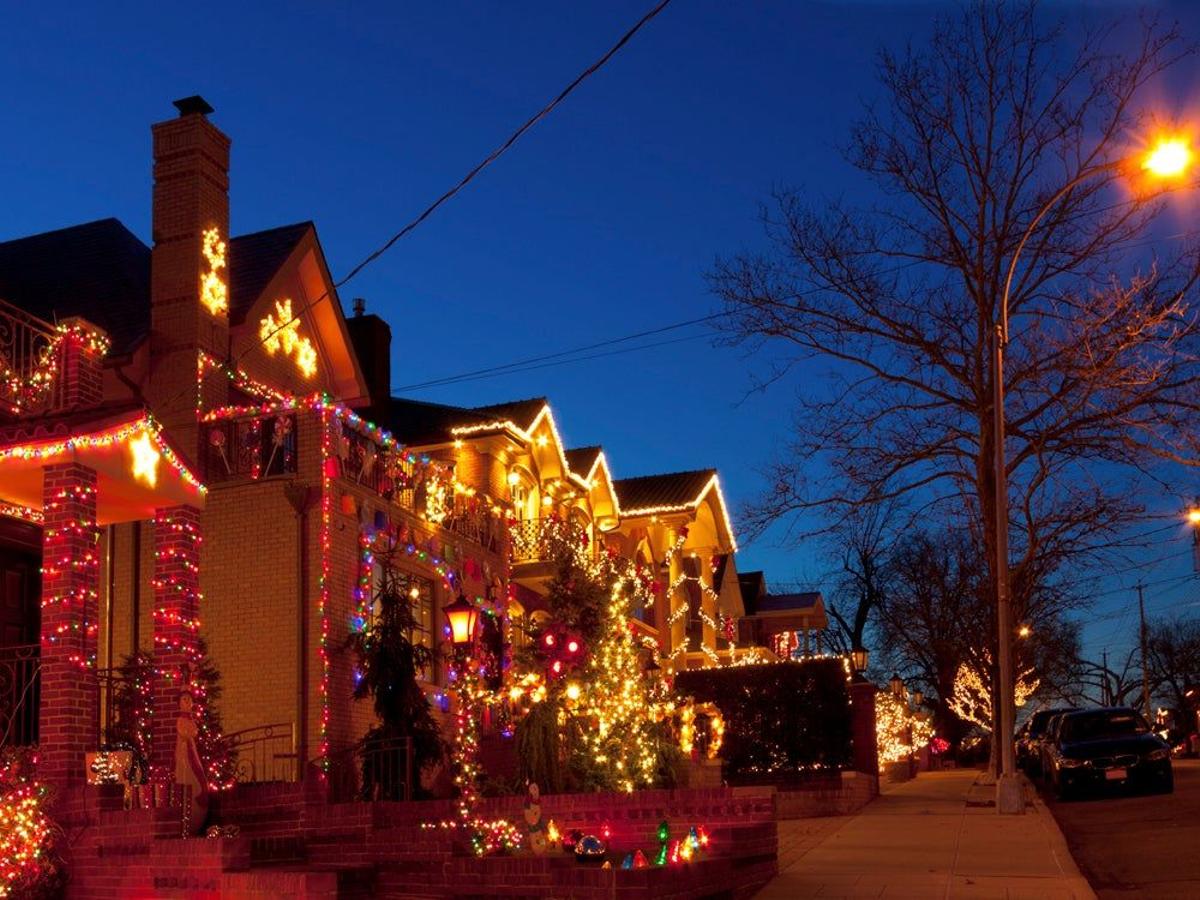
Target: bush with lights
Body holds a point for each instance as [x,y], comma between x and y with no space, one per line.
[30,866]
[130,728]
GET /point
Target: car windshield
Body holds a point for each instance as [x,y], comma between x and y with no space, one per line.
[1102,724]
[1037,725]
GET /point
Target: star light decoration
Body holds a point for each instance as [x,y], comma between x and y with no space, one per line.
[280,330]
[145,459]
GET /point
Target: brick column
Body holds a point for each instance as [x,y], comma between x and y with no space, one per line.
[176,625]
[70,582]
[82,355]
[862,727]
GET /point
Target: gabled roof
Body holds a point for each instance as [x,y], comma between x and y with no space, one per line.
[673,490]
[522,413]
[581,460]
[98,270]
[253,261]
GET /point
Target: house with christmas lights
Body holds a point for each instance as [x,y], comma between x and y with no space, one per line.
[196,441]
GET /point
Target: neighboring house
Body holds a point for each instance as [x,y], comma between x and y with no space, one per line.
[790,625]
[194,439]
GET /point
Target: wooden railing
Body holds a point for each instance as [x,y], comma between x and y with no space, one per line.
[20,667]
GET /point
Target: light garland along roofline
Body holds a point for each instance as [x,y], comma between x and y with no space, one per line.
[146,424]
[714,483]
[526,435]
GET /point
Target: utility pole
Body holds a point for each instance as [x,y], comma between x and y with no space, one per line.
[1106,691]
[1145,669]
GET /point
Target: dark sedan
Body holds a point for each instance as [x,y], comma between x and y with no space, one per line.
[1030,737]
[1100,748]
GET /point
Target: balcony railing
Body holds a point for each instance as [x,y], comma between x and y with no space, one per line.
[425,489]
[27,362]
[19,685]
[541,540]
[250,448]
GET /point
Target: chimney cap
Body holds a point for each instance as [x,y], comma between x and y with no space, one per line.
[191,105]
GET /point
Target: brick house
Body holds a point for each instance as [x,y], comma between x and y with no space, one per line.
[195,438]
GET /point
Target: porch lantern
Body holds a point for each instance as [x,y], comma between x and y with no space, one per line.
[897,685]
[462,616]
[918,697]
[858,659]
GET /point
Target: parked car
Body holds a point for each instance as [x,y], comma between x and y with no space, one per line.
[1049,739]
[1112,746]
[1029,739]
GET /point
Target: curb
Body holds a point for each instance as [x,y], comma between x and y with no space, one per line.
[1058,841]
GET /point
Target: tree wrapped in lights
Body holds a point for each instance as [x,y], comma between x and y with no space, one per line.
[971,699]
[29,863]
[899,731]
[611,740]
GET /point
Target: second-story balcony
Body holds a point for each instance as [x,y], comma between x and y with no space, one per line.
[250,448]
[536,545]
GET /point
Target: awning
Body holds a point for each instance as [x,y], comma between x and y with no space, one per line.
[137,469]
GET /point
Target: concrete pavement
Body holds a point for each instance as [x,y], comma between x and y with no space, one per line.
[922,839]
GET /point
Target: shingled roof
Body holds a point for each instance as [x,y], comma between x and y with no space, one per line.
[520,412]
[797,602]
[253,261]
[581,459]
[670,489]
[101,270]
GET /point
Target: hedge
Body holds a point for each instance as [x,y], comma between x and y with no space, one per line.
[781,719]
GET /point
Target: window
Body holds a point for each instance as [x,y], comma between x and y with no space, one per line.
[419,592]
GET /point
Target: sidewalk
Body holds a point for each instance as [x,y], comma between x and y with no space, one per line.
[921,839]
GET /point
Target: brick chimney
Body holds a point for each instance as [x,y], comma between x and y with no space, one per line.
[372,340]
[191,199]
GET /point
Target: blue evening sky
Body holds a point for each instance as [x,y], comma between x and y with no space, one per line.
[599,223]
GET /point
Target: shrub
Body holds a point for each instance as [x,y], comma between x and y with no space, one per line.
[781,719]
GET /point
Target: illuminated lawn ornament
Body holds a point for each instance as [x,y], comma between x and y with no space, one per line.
[281,331]
[214,293]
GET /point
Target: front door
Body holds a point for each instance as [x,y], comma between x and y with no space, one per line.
[19,587]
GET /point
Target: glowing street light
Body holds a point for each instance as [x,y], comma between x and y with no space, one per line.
[1168,158]
[1024,631]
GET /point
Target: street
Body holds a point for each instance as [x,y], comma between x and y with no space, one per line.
[1137,845]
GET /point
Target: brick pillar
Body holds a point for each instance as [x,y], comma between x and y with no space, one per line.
[176,625]
[862,727]
[82,355]
[70,582]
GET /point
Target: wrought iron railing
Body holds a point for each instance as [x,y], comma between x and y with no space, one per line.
[19,700]
[538,540]
[250,448]
[375,768]
[28,350]
[265,753]
[422,487]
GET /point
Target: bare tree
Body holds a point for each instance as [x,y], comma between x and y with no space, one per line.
[1107,685]
[977,134]
[861,548]
[1173,658]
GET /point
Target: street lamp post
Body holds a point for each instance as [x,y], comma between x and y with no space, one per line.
[1168,159]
